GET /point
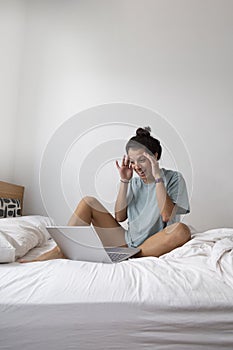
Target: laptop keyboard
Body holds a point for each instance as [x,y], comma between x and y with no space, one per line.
[117,256]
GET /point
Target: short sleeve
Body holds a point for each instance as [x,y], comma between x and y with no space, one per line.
[177,191]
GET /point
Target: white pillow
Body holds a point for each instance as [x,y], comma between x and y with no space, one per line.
[22,234]
[36,220]
[7,251]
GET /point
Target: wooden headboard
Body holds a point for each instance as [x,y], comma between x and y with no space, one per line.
[8,190]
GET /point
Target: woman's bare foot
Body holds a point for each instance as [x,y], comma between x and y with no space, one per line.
[55,253]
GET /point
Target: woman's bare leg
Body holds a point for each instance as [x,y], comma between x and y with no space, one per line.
[163,242]
[90,211]
[54,253]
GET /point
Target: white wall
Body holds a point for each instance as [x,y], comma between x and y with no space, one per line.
[173,57]
[11,43]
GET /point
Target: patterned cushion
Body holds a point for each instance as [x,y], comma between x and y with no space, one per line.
[9,207]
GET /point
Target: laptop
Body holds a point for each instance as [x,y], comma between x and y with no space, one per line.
[83,243]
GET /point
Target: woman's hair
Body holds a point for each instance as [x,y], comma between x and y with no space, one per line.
[144,139]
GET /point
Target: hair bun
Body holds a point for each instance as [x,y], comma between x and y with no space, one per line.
[143,131]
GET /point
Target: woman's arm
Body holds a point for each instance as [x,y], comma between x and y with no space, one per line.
[121,202]
[126,173]
[166,207]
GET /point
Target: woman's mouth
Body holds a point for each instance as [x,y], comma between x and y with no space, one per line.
[141,173]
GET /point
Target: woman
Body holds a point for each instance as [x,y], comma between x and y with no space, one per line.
[152,202]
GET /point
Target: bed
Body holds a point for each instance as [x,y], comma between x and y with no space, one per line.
[182,300]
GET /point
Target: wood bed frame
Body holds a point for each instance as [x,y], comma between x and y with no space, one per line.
[9,190]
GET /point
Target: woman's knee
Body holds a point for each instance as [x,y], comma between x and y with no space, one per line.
[179,232]
[92,203]
[90,200]
[183,232]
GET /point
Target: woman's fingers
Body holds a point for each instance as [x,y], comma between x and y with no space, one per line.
[125,162]
[147,155]
[150,157]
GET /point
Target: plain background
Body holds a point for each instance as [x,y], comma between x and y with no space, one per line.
[59,58]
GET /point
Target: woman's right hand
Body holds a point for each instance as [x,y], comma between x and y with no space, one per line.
[125,170]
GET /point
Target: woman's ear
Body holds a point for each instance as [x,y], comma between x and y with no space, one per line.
[156,155]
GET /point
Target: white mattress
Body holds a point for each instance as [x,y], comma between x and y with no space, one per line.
[182,300]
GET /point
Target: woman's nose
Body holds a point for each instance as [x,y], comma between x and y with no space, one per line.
[137,165]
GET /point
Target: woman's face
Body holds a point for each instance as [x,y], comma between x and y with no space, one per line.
[140,164]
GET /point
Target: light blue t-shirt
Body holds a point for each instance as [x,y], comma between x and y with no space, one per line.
[144,219]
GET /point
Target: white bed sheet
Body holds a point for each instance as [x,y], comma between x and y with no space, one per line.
[182,300]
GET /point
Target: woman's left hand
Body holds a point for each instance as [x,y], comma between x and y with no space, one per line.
[154,164]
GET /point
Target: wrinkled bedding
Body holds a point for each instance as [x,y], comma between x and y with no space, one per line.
[182,300]
[19,235]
